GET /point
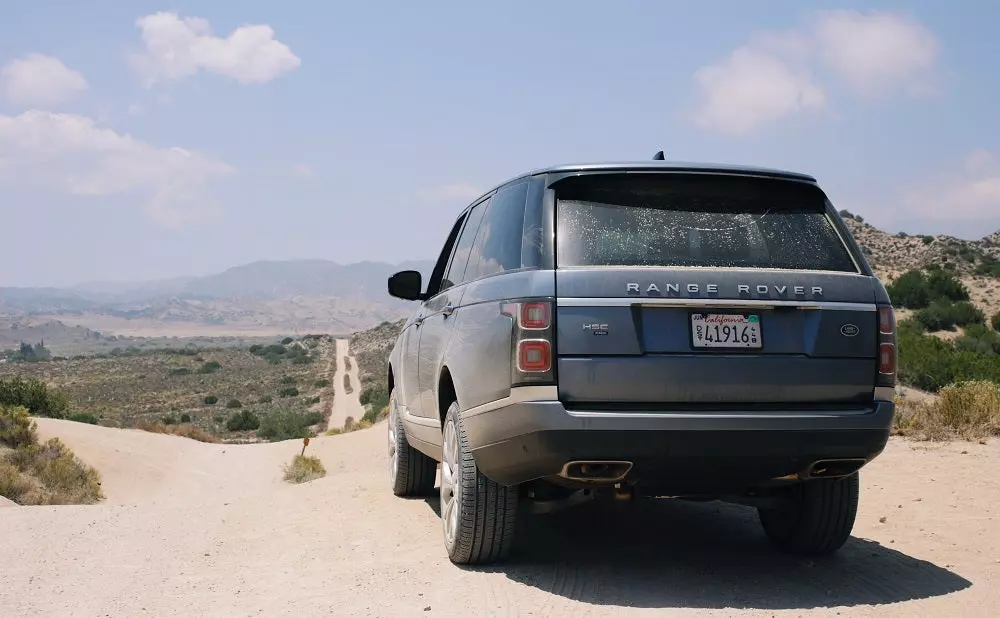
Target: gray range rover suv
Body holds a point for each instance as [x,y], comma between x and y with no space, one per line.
[643,330]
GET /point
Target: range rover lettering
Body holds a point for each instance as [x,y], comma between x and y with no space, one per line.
[643,330]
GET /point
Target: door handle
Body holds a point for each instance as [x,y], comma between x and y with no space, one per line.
[448,310]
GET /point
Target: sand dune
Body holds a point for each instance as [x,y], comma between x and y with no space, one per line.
[211,530]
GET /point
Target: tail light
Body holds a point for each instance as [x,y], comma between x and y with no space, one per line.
[887,353]
[532,342]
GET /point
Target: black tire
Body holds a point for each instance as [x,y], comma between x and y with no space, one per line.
[815,518]
[411,473]
[486,511]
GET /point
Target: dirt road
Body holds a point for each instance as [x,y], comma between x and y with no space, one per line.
[345,405]
[211,530]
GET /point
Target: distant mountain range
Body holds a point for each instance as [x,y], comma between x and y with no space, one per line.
[270,296]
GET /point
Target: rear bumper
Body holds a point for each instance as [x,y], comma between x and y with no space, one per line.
[671,452]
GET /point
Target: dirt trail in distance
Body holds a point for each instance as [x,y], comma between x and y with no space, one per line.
[193,529]
[345,405]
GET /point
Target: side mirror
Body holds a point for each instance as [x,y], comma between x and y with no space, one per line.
[406,284]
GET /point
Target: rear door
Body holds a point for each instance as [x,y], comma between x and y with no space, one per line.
[691,289]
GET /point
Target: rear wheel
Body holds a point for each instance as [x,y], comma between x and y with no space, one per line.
[411,473]
[815,518]
[477,514]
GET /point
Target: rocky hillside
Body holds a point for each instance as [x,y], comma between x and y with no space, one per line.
[976,262]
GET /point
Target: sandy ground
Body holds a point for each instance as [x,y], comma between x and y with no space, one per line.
[344,404]
[193,529]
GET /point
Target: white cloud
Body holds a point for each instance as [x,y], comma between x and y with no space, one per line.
[178,47]
[72,154]
[453,192]
[971,191]
[876,52]
[303,170]
[773,76]
[40,80]
[756,85]
[135,109]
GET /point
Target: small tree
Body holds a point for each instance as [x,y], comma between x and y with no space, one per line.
[244,420]
[995,321]
[211,400]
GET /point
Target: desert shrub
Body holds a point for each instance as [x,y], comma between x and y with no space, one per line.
[289,380]
[265,399]
[48,473]
[184,431]
[302,360]
[180,371]
[16,427]
[988,266]
[256,348]
[323,383]
[375,415]
[929,363]
[33,394]
[927,239]
[234,403]
[287,340]
[289,391]
[969,410]
[944,315]
[285,424]
[244,420]
[83,417]
[303,469]
[980,339]
[211,400]
[995,322]
[168,420]
[185,418]
[915,289]
[846,214]
[312,401]
[376,396]
[210,367]
[278,350]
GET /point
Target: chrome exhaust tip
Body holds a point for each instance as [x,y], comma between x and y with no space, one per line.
[833,468]
[596,471]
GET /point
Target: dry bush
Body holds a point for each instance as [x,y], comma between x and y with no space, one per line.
[304,468]
[967,410]
[33,473]
[185,431]
[347,384]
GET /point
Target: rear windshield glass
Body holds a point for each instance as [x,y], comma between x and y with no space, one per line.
[710,221]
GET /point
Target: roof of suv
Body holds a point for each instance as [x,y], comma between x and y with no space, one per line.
[674,166]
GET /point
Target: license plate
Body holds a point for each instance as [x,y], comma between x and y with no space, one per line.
[726,330]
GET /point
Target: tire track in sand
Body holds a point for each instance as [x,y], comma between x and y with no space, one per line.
[345,405]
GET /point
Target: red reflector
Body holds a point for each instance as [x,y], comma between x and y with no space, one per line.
[886,320]
[534,355]
[535,316]
[887,359]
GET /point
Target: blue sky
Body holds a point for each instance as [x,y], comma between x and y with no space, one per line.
[136,143]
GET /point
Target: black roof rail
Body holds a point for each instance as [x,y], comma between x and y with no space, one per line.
[658,156]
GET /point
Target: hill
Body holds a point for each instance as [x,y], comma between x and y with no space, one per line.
[267,297]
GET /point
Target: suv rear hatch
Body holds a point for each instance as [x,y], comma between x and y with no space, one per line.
[703,290]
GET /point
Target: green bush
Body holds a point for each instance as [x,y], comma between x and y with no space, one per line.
[287,340]
[256,348]
[915,289]
[989,266]
[943,315]
[16,427]
[323,383]
[995,322]
[185,418]
[376,396]
[287,424]
[211,400]
[83,417]
[169,420]
[289,380]
[234,403]
[180,371]
[289,391]
[929,363]
[244,420]
[210,367]
[302,360]
[265,399]
[33,394]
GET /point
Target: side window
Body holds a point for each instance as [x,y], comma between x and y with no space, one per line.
[435,284]
[498,244]
[456,270]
